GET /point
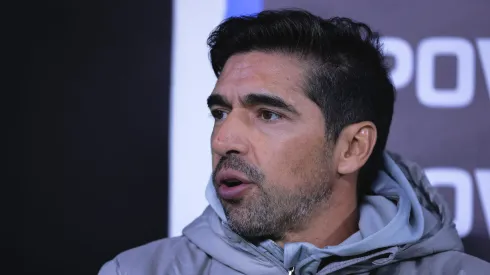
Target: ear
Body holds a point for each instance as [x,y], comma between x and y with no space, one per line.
[356,143]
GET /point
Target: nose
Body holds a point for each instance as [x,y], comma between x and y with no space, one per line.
[230,136]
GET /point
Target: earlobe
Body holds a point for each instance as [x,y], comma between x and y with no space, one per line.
[356,144]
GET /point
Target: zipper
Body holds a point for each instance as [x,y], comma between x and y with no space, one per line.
[271,259]
[266,256]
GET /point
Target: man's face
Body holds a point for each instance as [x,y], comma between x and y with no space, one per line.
[271,159]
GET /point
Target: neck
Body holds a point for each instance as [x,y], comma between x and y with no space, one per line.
[332,222]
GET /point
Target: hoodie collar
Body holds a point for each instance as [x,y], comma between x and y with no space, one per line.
[401,213]
[213,200]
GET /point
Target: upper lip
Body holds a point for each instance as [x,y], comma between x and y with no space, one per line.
[229,174]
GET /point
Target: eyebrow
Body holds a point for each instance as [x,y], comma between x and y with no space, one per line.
[251,100]
[218,100]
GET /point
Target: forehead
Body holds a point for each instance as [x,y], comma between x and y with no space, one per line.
[255,71]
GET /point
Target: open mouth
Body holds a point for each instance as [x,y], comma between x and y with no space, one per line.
[233,185]
[231,182]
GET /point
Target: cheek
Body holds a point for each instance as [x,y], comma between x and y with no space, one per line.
[215,159]
[295,161]
[278,131]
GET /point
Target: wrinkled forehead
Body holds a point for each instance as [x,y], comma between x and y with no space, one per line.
[256,71]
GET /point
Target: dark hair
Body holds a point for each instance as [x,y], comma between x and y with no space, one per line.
[348,78]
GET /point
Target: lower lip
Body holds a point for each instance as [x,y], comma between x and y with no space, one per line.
[233,193]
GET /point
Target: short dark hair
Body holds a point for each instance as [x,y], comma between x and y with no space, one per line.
[348,77]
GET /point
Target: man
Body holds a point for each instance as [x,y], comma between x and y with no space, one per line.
[302,183]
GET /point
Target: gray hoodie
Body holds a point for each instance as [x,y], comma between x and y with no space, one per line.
[404,228]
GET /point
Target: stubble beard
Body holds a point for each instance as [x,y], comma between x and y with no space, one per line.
[271,210]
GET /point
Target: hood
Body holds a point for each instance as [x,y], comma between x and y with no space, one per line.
[404,218]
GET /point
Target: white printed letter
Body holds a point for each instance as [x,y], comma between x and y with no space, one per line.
[402,72]
[458,97]
[482,177]
[483,46]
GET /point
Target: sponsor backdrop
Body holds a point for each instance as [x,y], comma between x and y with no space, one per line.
[440,56]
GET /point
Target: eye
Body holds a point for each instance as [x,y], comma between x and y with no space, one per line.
[269,116]
[219,115]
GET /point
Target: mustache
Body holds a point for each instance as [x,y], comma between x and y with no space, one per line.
[236,163]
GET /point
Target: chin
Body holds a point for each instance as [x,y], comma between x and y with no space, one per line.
[229,205]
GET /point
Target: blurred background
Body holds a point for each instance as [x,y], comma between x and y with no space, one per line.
[116,130]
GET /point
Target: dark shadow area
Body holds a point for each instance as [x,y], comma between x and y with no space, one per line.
[95,106]
[473,246]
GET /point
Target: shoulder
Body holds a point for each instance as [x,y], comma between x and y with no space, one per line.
[449,262]
[151,254]
[152,258]
[461,263]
